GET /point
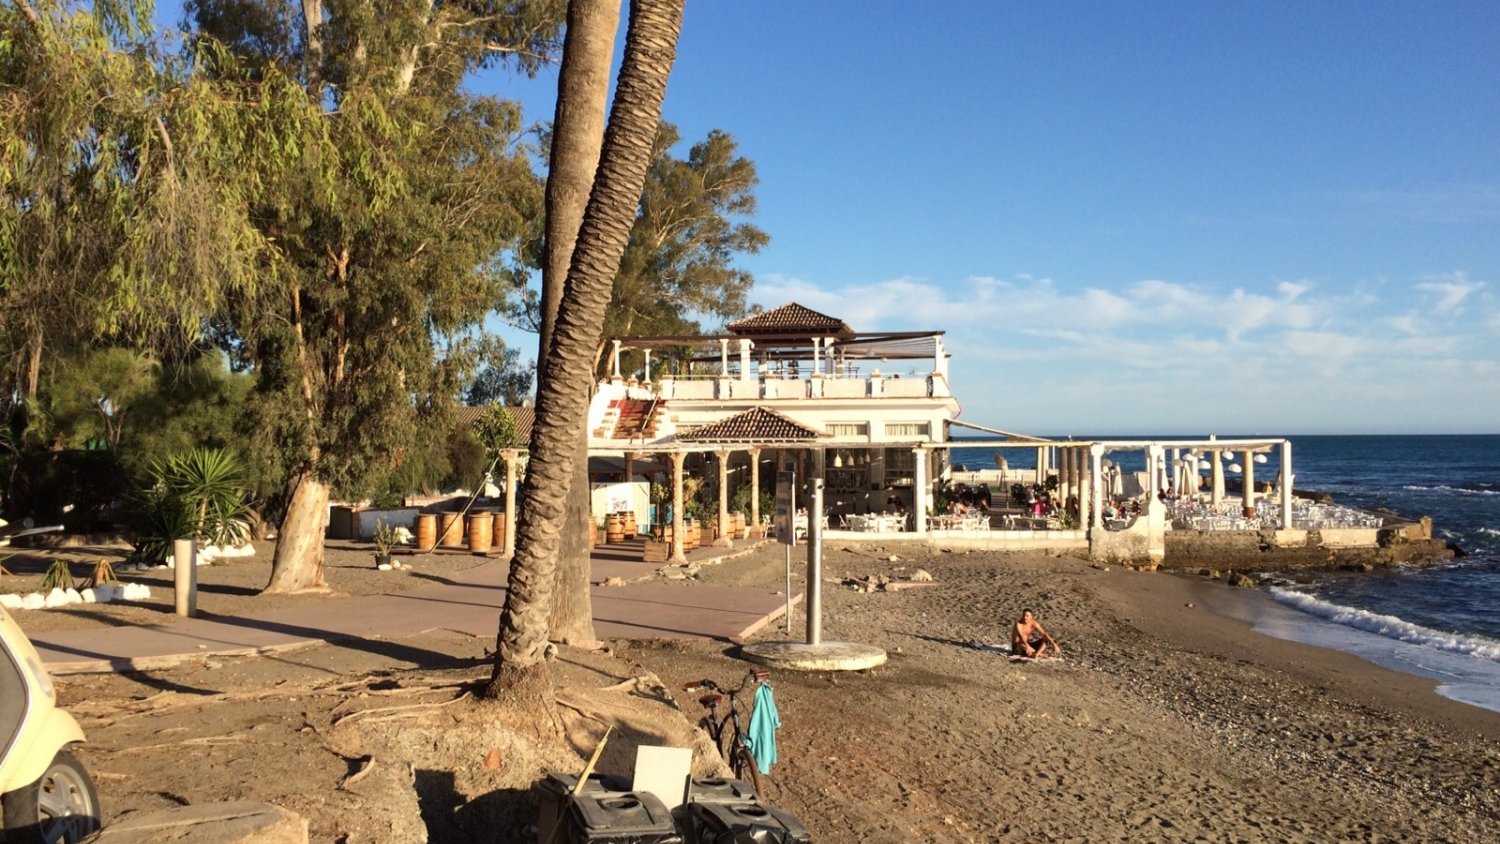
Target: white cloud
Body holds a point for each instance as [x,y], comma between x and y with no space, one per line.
[1158,355]
[1450,291]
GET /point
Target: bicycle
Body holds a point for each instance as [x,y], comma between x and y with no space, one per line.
[727,733]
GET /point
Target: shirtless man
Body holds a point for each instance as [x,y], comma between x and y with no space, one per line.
[1028,639]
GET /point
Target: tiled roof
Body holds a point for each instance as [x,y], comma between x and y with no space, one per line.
[756,425]
[791,318]
[522,416]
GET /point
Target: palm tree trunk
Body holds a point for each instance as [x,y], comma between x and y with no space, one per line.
[562,392]
[577,135]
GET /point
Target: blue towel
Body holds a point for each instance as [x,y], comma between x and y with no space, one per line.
[761,734]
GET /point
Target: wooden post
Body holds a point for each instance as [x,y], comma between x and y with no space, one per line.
[509,455]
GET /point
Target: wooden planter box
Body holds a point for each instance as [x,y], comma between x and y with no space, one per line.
[656,552]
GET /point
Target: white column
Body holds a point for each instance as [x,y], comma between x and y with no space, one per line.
[1086,484]
[754,488]
[678,527]
[1041,463]
[1096,500]
[614,359]
[1216,477]
[1286,484]
[723,541]
[646,371]
[919,490]
[817,343]
[1153,473]
[1249,482]
[745,371]
[723,357]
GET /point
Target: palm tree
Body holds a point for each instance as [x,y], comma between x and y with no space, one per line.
[566,370]
[577,134]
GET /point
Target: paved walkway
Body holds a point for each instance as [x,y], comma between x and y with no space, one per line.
[468,603]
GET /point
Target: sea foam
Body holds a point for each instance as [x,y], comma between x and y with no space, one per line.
[1460,490]
[1389,626]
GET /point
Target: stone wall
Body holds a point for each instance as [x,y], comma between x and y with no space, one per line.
[1282,550]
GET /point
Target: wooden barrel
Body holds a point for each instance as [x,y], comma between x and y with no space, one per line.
[691,535]
[614,528]
[630,523]
[481,531]
[426,531]
[497,533]
[450,530]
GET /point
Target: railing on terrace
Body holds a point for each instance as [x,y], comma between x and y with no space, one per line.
[1306,515]
[705,387]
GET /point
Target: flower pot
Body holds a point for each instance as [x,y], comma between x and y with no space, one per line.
[382,560]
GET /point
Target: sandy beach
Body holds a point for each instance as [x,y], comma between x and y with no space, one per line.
[1165,720]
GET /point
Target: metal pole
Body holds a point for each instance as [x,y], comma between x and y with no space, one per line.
[815,565]
[185,576]
[788,621]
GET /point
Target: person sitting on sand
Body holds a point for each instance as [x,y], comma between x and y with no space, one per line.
[1028,639]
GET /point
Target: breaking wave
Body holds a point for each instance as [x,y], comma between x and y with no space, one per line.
[1465,489]
[1389,626]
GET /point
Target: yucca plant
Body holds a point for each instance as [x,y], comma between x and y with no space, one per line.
[199,494]
[58,576]
[211,483]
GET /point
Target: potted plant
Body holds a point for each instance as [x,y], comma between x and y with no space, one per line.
[384,539]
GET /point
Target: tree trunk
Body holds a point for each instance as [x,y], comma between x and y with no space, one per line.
[563,382]
[577,134]
[298,563]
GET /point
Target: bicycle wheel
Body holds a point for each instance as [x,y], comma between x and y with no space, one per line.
[744,768]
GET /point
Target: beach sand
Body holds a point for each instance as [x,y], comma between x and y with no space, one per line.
[1165,721]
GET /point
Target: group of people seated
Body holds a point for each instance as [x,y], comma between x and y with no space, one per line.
[964,499]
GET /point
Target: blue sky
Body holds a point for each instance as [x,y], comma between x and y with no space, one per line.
[1131,218]
[1148,217]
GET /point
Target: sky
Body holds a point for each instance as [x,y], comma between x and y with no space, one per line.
[1153,217]
[1129,218]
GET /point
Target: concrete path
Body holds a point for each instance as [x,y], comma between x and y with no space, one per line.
[469,603]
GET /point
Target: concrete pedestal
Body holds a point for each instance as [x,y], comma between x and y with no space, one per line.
[825,656]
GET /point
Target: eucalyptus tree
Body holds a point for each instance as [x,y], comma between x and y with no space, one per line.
[107,230]
[567,365]
[690,228]
[390,236]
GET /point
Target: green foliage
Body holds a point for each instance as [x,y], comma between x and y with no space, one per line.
[503,378]
[496,429]
[90,396]
[679,261]
[198,494]
[384,538]
[58,576]
[741,502]
[394,235]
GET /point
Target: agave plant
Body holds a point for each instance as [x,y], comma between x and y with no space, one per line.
[58,576]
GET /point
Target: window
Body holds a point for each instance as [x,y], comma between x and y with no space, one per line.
[906,430]
[849,429]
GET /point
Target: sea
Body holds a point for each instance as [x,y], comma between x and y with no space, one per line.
[1441,622]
